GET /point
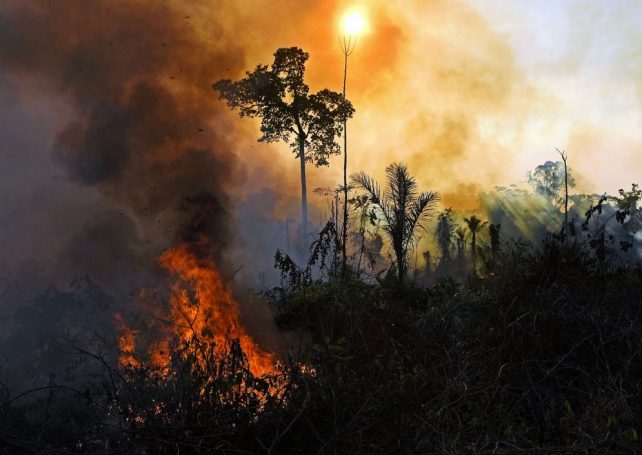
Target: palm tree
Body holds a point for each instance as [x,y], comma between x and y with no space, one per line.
[460,238]
[400,208]
[474,226]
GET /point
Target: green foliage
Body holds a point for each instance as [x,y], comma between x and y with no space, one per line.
[400,208]
[630,199]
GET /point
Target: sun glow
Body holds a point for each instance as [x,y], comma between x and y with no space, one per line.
[353,23]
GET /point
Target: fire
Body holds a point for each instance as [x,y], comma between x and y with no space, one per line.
[201,306]
[126,343]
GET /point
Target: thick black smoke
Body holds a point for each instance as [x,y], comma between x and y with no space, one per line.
[140,132]
[113,149]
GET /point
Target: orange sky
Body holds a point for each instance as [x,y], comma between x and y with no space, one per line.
[465,92]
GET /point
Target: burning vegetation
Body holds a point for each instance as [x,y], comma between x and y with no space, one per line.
[201,307]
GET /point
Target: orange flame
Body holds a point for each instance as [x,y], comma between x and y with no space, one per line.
[203,306]
[126,343]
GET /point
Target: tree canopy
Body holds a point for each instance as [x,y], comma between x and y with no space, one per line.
[279,96]
[548,179]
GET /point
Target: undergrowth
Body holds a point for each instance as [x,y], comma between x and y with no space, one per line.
[540,355]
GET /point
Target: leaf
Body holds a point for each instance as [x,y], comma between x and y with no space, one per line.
[611,421]
[630,434]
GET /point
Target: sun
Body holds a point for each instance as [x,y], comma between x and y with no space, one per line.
[353,23]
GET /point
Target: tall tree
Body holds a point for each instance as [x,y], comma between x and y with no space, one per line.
[564,156]
[347,47]
[400,208]
[445,229]
[549,178]
[474,226]
[460,239]
[278,95]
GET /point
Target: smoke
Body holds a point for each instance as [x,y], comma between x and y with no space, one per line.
[115,145]
[142,132]
[113,150]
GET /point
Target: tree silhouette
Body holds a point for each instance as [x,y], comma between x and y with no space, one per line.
[460,239]
[278,95]
[474,226]
[495,239]
[400,208]
[549,178]
[444,233]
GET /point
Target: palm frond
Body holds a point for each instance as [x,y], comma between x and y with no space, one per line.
[363,180]
[401,188]
[474,223]
[373,190]
[419,211]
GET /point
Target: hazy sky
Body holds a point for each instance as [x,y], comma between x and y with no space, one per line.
[471,94]
[577,68]
[587,55]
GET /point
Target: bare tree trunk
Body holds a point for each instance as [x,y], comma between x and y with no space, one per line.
[474,248]
[565,198]
[564,157]
[345,174]
[304,196]
[473,243]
